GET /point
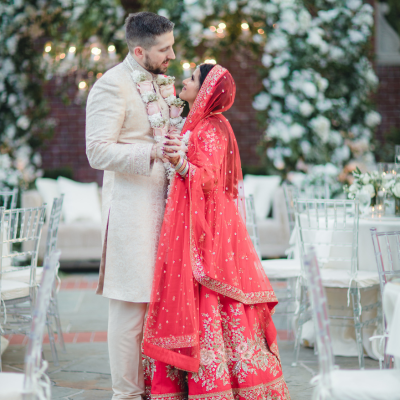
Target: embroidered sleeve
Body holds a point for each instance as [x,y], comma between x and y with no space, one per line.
[140,159]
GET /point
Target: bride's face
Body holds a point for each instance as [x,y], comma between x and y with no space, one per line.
[191,87]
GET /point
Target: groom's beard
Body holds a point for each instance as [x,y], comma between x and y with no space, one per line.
[154,68]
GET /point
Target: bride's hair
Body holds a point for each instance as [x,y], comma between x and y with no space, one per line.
[204,70]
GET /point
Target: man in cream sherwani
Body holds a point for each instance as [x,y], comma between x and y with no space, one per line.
[119,140]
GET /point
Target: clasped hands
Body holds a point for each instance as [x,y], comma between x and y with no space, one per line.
[170,148]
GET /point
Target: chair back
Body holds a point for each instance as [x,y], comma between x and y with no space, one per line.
[22,225]
[54,221]
[293,192]
[251,224]
[8,198]
[320,314]
[34,370]
[331,226]
[387,255]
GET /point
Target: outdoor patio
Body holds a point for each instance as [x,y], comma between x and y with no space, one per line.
[84,374]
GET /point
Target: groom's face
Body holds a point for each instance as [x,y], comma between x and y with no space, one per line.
[156,58]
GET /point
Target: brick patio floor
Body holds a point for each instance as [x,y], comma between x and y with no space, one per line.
[84,374]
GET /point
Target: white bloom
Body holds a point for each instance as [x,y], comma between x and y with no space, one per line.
[280,72]
[321,126]
[356,36]
[370,189]
[304,20]
[292,102]
[11,44]
[373,119]
[163,12]
[138,76]
[328,16]
[353,188]
[276,43]
[5,161]
[261,101]
[363,18]
[309,89]
[396,189]
[324,104]
[315,39]
[335,138]
[305,146]
[296,131]
[157,121]
[232,6]
[306,108]
[365,179]
[354,4]
[288,21]
[8,67]
[12,99]
[266,60]
[336,53]
[23,122]
[322,83]
[269,8]
[371,77]
[278,89]
[10,131]
[149,97]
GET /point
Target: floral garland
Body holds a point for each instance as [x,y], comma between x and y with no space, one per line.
[156,119]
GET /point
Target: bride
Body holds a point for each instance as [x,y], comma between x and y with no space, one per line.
[209,332]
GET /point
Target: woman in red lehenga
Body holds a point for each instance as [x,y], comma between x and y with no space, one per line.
[209,332]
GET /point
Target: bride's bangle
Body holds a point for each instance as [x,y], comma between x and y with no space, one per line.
[179,171]
[179,165]
[185,170]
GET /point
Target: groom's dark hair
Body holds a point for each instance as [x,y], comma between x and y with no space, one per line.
[142,29]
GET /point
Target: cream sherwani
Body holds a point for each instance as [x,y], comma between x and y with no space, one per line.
[119,140]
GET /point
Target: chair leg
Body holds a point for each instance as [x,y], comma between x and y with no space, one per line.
[301,320]
[52,341]
[357,309]
[56,315]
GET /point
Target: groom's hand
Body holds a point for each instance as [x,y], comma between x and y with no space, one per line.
[157,152]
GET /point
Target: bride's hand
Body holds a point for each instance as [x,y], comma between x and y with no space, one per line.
[175,145]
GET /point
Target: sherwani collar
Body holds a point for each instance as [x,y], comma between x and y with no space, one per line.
[135,66]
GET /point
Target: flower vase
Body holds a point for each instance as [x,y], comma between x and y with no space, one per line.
[397,206]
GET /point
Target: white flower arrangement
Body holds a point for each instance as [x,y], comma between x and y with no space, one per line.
[174,101]
[370,182]
[149,97]
[157,121]
[165,80]
[175,121]
[138,76]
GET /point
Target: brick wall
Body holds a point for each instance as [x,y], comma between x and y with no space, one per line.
[388,97]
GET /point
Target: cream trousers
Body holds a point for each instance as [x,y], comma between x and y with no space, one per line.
[125,334]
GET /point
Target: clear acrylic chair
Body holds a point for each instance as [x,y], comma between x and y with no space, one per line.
[8,198]
[34,384]
[17,274]
[331,226]
[18,226]
[251,223]
[333,383]
[387,255]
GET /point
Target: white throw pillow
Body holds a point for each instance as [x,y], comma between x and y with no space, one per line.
[48,190]
[81,201]
[263,189]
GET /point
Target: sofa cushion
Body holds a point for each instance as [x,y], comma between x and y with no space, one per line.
[48,190]
[81,201]
[263,189]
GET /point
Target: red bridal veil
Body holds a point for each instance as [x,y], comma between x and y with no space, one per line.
[204,240]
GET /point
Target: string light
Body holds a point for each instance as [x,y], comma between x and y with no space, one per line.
[192,65]
[186,65]
[111,48]
[210,61]
[82,85]
[222,25]
[72,49]
[260,31]
[96,51]
[47,47]
[99,75]
[96,58]
[213,28]
[220,30]
[245,26]
[62,56]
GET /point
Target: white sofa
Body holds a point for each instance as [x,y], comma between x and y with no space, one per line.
[79,242]
[272,220]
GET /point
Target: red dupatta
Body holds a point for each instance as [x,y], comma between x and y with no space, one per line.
[204,238]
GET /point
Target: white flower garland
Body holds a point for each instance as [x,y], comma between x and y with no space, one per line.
[156,119]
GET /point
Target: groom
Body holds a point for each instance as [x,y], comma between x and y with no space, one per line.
[119,140]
